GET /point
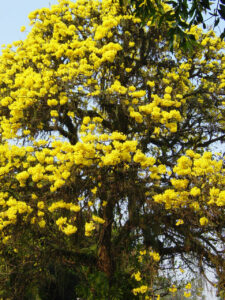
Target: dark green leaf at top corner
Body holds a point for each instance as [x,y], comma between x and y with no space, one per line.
[222,11]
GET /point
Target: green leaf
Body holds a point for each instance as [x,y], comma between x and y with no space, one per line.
[217,20]
[222,36]
[222,11]
[205,4]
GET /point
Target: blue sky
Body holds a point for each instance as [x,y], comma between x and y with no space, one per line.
[13,15]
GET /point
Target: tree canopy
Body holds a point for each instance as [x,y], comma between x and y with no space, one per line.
[110,187]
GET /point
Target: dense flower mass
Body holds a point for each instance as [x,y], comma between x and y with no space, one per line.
[105,145]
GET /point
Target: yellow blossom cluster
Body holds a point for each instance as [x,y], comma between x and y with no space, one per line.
[89,227]
[206,171]
[140,290]
[68,229]
[173,289]
[137,276]
[155,256]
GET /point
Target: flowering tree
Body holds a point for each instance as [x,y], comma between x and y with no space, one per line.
[108,184]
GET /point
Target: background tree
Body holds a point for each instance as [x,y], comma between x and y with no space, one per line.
[182,15]
[107,181]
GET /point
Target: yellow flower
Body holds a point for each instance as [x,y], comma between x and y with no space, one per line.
[22,28]
[89,227]
[128,70]
[156,130]
[137,116]
[40,205]
[155,256]
[195,191]
[86,120]
[94,190]
[42,223]
[40,213]
[173,289]
[187,294]
[182,271]
[221,199]
[138,94]
[140,259]
[203,221]
[98,219]
[69,229]
[143,3]
[168,89]
[179,222]
[188,286]
[104,203]
[54,113]
[61,221]
[151,83]
[141,290]
[137,276]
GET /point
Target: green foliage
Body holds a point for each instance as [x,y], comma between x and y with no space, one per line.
[183,15]
[94,285]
